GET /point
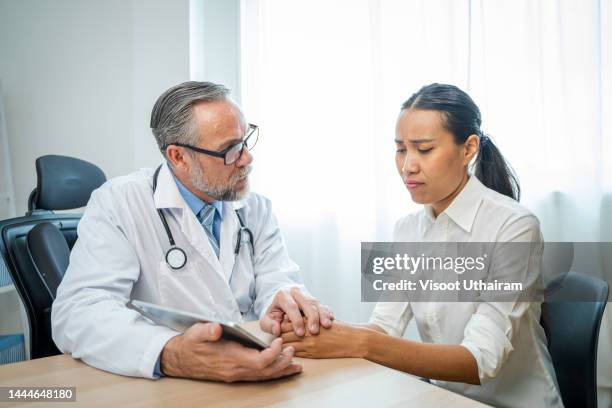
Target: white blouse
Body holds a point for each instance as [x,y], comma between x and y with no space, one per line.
[505,338]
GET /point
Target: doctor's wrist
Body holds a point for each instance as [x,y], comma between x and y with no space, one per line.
[169,358]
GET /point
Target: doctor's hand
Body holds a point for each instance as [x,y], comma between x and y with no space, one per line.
[291,303]
[200,353]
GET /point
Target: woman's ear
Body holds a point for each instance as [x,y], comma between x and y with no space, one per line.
[471,146]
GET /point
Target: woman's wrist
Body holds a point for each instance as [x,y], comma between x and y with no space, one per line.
[363,337]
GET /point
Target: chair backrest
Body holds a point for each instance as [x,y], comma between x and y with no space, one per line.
[50,254]
[571,317]
[31,288]
[62,183]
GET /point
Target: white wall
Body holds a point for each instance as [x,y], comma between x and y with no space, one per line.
[222,44]
[80,78]
[7,194]
[160,55]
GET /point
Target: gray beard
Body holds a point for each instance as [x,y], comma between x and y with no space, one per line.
[225,192]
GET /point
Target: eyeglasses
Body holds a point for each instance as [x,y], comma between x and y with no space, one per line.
[232,153]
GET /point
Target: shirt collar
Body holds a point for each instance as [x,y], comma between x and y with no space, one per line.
[427,221]
[195,203]
[464,207]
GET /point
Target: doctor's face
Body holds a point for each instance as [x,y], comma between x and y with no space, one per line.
[431,164]
[220,125]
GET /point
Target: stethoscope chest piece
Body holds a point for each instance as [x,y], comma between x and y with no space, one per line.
[176,257]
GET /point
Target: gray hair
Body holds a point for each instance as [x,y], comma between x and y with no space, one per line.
[172,118]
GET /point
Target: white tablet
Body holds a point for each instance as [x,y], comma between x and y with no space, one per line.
[180,321]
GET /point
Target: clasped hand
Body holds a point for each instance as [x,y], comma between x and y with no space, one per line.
[201,353]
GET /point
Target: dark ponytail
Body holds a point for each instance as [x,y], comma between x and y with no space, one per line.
[494,171]
[462,118]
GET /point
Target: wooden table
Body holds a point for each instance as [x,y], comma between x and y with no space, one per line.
[323,383]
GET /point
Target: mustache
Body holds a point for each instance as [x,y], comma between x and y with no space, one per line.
[244,172]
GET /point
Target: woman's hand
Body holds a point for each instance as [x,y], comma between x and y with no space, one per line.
[338,341]
[446,362]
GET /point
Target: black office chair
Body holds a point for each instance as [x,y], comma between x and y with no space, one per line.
[62,183]
[571,316]
[50,255]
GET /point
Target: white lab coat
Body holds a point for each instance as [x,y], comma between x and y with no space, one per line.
[120,255]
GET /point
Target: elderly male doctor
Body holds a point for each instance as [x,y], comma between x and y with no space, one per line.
[124,251]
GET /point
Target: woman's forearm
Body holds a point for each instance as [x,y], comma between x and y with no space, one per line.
[435,361]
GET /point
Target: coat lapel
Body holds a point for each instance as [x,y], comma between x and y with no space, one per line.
[229,234]
[167,196]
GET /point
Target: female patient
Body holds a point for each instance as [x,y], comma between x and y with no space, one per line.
[491,351]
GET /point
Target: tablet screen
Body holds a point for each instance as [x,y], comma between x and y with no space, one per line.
[181,320]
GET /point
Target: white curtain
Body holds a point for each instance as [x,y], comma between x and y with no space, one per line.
[325,78]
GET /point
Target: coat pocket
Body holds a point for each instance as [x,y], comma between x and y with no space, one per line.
[186,289]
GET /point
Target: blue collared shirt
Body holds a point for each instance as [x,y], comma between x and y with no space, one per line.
[196,205]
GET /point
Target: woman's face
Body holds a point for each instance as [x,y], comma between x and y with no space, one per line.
[432,166]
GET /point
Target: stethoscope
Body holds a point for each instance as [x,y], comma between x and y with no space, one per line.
[176,258]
